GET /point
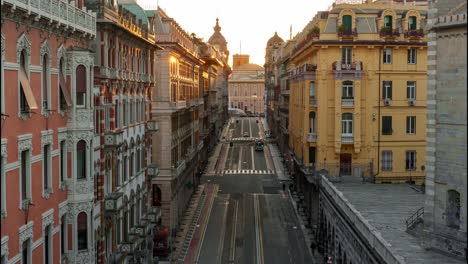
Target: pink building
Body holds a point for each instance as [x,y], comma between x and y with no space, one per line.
[47,131]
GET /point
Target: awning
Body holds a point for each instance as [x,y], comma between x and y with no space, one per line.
[28,93]
[65,92]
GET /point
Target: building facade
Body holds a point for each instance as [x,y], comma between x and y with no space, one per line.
[445,212]
[125,51]
[358,92]
[247,86]
[47,132]
[176,107]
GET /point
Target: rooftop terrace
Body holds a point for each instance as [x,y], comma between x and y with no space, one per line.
[382,210]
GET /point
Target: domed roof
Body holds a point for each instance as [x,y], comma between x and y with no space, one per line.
[217,38]
[275,40]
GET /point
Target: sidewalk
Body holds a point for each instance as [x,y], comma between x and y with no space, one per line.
[197,239]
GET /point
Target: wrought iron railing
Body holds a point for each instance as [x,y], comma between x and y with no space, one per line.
[414,218]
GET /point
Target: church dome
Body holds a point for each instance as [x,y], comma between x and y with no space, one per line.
[217,38]
[275,40]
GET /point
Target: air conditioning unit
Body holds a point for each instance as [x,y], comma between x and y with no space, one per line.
[412,102]
[387,102]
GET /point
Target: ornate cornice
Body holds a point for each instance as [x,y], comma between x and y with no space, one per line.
[23,43]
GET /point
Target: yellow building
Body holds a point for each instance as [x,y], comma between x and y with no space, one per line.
[358,92]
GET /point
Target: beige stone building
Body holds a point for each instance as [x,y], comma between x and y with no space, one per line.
[246,85]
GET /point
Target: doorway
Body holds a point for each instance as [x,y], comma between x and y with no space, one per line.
[345,164]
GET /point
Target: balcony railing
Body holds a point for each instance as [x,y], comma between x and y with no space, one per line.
[60,12]
[347,32]
[179,168]
[389,33]
[347,138]
[353,68]
[414,34]
[312,137]
[312,101]
[347,102]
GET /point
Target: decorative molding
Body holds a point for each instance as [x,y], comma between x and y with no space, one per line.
[4,251]
[63,209]
[25,233]
[46,49]
[24,143]
[76,208]
[47,138]
[48,219]
[23,43]
[4,148]
[62,53]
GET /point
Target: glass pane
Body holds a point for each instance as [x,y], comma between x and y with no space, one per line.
[347,22]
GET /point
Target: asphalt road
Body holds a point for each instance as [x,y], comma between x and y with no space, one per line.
[252,220]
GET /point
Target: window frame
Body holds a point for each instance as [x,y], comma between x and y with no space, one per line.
[347,124]
[45,83]
[312,128]
[387,160]
[411,90]
[387,87]
[46,169]
[409,156]
[62,161]
[411,125]
[3,163]
[26,177]
[83,175]
[48,240]
[387,55]
[410,18]
[63,235]
[388,21]
[387,125]
[82,232]
[78,93]
[347,55]
[412,56]
[312,91]
[347,85]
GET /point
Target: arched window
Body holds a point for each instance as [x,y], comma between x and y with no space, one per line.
[80,85]
[132,212]
[82,230]
[81,160]
[347,90]
[64,94]
[453,209]
[347,22]
[412,23]
[347,124]
[27,101]
[388,22]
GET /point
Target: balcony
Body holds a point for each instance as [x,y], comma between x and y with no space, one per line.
[180,167]
[113,203]
[347,138]
[347,102]
[304,72]
[312,137]
[347,33]
[414,34]
[312,101]
[351,70]
[60,13]
[152,126]
[152,170]
[389,33]
[179,104]
[113,139]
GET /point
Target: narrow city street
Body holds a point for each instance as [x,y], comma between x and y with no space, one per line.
[252,220]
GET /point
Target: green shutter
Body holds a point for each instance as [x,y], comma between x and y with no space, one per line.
[347,22]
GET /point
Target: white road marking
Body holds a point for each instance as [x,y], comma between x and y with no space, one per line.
[252,153]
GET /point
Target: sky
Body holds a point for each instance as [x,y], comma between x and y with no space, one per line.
[246,24]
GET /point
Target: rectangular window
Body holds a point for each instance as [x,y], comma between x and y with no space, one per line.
[347,90]
[47,245]
[412,55]
[125,171]
[116,114]
[312,89]
[63,235]
[346,55]
[412,23]
[387,90]
[124,112]
[411,90]
[63,161]
[387,160]
[387,55]
[411,160]
[388,23]
[26,252]
[387,125]
[25,170]
[106,119]
[3,184]
[312,122]
[411,125]
[46,165]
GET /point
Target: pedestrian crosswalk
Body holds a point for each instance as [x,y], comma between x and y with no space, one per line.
[248,172]
[244,139]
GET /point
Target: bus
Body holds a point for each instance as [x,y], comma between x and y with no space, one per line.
[258,145]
